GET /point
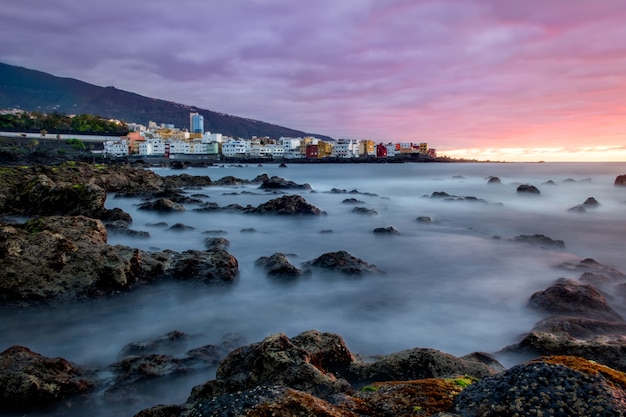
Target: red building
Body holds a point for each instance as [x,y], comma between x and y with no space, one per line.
[311,152]
[381,151]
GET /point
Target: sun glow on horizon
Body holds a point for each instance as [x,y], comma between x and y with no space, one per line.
[547,154]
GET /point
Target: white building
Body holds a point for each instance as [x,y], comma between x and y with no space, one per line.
[235,148]
[116,147]
[346,148]
[391,150]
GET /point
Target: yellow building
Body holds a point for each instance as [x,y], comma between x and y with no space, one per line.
[367,147]
[324,149]
[424,148]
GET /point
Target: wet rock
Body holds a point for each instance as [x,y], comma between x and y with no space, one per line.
[277,360]
[214,265]
[342,262]
[167,343]
[180,227]
[282,165]
[620,180]
[122,227]
[63,258]
[278,266]
[114,215]
[442,195]
[494,180]
[162,205]
[540,240]
[567,297]
[422,363]
[287,205]
[326,231]
[279,183]
[216,243]
[590,265]
[248,230]
[559,386]
[352,200]
[390,230]
[591,203]
[365,210]
[133,369]
[161,411]
[424,219]
[31,382]
[186,180]
[579,208]
[528,189]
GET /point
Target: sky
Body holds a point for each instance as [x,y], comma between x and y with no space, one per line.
[479,79]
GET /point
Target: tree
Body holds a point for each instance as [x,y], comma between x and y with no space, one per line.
[33,145]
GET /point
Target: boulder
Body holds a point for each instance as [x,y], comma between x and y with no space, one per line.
[541,241]
[590,265]
[31,382]
[390,230]
[442,195]
[620,180]
[216,243]
[567,297]
[365,210]
[287,205]
[424,219]
[528,189]
[494,180]
[342,262]
[63,258]
[278,266]
[180,227]
[352,200]
[279,183]
[556,386]
[168,343]
[420,363]
[162,205]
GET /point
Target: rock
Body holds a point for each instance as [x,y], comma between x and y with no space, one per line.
[216,243]
[185,180]
[449,197]
[278,266]
[277,360]
[282,165]
[540,240]
[278,183]
[589,265]
[424,219]
[133,369]
[558,386]
[365,210]
[179,227]
[390,230]
[165,344]
[162,204]
[65,258]
[161,411]
[31,382]
[528,189]
[214,265]
[420,363]
[248,230]
[122,227]
[620,180]
[591,203]
[579,208]
[287,205]
[567,297]
[352,200]
[342,262]
[494,180]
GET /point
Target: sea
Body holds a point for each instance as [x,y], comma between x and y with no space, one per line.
[458,283]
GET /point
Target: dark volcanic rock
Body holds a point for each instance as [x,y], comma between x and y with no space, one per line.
[424,219]
[365,210]
[442,195]
[278,183]
[589,203]
[422,363]
[528,189]
[555,386]
[352,200]
[161,204]
[620,180]
[180,227]
[65,257]
[29,381]
[540,240]
[278,266]
[390,230]
[494,180]
[343,262]
[567,297]
[216,243]
[589,265]
[287,205]
[167,343]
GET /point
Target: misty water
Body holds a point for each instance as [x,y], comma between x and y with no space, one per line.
[449,284]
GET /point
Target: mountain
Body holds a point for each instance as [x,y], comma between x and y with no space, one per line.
[32,90]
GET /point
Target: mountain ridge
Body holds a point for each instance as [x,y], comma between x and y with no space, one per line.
[34,90]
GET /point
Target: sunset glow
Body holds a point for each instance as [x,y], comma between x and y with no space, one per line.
[478,79]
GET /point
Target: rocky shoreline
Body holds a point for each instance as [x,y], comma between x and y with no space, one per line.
[53,242]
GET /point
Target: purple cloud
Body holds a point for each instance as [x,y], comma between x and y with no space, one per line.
[458,74]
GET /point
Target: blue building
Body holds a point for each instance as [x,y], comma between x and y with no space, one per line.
[196,123]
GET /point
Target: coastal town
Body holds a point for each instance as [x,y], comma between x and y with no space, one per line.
[167,141]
